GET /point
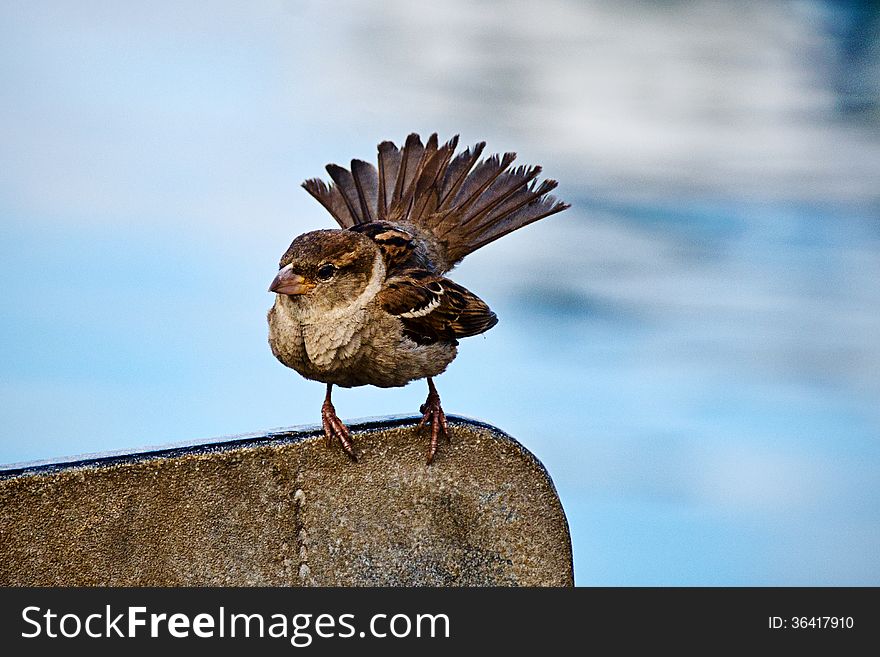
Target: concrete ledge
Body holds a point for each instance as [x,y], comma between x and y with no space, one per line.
[280,509]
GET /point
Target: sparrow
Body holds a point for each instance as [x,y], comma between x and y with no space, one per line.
[369,303]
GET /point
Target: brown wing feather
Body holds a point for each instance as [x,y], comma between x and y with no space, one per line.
[435,308]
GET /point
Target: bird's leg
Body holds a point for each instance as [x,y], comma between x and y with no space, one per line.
[433,413]
[333,426]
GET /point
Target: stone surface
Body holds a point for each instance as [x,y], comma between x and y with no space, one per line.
[284,510]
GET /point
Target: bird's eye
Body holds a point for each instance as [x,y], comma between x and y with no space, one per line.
[326,271]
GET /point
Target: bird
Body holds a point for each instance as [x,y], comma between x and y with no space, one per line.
[369,303]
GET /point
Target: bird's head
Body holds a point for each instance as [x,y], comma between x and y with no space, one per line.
[327,267]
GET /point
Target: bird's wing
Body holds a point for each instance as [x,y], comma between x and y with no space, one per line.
[434,308]
[451,204]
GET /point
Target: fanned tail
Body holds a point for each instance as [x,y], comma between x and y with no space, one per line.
[457,204]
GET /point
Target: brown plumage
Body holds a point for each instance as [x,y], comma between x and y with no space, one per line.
[369,303]
[434,308]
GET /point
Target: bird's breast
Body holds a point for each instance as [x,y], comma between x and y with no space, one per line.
[360,348]
[333,345]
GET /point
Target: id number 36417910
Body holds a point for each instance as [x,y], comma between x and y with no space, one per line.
[810,623]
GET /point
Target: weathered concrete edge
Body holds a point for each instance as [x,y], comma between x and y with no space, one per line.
[279,436]
[228,461]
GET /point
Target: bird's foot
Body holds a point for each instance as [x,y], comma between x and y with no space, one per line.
[334,428]
[433,413]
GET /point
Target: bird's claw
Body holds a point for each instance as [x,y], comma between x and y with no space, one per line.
[335,428]
[433,413]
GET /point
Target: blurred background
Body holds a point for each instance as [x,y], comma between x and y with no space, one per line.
[692,349]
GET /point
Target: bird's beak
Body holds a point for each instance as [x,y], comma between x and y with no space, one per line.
[286,282]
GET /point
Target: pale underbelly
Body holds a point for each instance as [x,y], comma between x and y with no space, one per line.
[377,354]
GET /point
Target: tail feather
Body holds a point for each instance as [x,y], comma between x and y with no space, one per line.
[410,161]
[478,183]
[479,180]
[332,199]
[457,172]
[521,197]
[389,166]
[457,204]
[347,188]
[366,180]
[426,197]
[506,185]
[526,206]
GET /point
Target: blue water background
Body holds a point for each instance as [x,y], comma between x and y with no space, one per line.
[692,350]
